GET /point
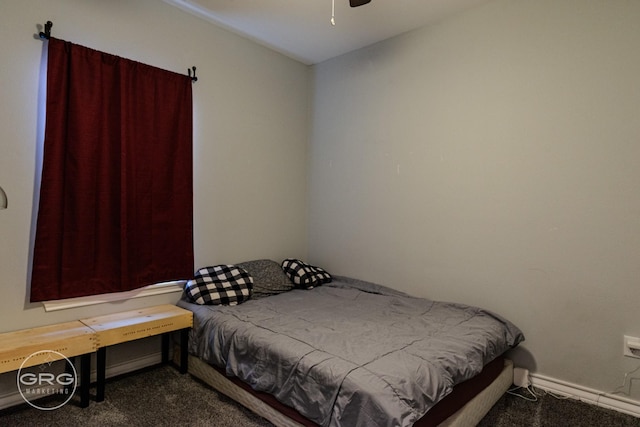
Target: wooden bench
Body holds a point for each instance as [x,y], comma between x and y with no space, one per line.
[131,325]
[68,339]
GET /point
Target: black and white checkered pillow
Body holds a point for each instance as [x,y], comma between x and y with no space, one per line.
[304,275]
[220,285]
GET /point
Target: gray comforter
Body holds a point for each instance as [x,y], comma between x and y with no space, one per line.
[351,353]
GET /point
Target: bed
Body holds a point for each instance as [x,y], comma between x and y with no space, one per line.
[350,353]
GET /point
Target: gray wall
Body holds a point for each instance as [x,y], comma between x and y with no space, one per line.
[492,159]
[489,159]
[250,138]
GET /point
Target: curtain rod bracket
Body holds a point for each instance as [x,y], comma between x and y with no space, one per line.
[194,78]
[47,30]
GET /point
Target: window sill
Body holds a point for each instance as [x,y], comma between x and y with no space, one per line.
[156,289]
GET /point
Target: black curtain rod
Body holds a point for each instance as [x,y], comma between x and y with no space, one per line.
[46,34]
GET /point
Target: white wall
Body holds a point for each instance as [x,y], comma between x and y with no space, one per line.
[250,135]
[492,159]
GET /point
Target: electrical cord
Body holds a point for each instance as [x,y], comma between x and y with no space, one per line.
[516,392]
[535,393]
[620,390]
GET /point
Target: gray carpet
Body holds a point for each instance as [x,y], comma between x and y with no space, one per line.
[160,396]
[549,411]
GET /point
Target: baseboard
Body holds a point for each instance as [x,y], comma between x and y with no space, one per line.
[12,399]
[587,395]
[130,366]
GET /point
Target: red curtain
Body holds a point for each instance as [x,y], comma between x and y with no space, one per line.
[116,198]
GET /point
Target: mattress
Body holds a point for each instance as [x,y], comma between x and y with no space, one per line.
[351,353]
[467,409]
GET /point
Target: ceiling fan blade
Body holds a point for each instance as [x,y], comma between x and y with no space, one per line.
[356,3]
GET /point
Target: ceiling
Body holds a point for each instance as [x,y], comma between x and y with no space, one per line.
[302,29]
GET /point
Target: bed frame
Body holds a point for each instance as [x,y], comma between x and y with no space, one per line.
[467,416]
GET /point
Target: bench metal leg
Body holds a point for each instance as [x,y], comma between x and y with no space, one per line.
[85,379]
[101,360]
[184,350]
[165,348]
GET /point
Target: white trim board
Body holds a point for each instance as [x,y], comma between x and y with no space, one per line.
[587,395]
[156,289]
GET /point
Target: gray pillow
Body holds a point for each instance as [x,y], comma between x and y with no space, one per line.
[268,277]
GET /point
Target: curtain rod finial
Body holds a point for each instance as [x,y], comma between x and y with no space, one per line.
[194,78]
[47,30]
